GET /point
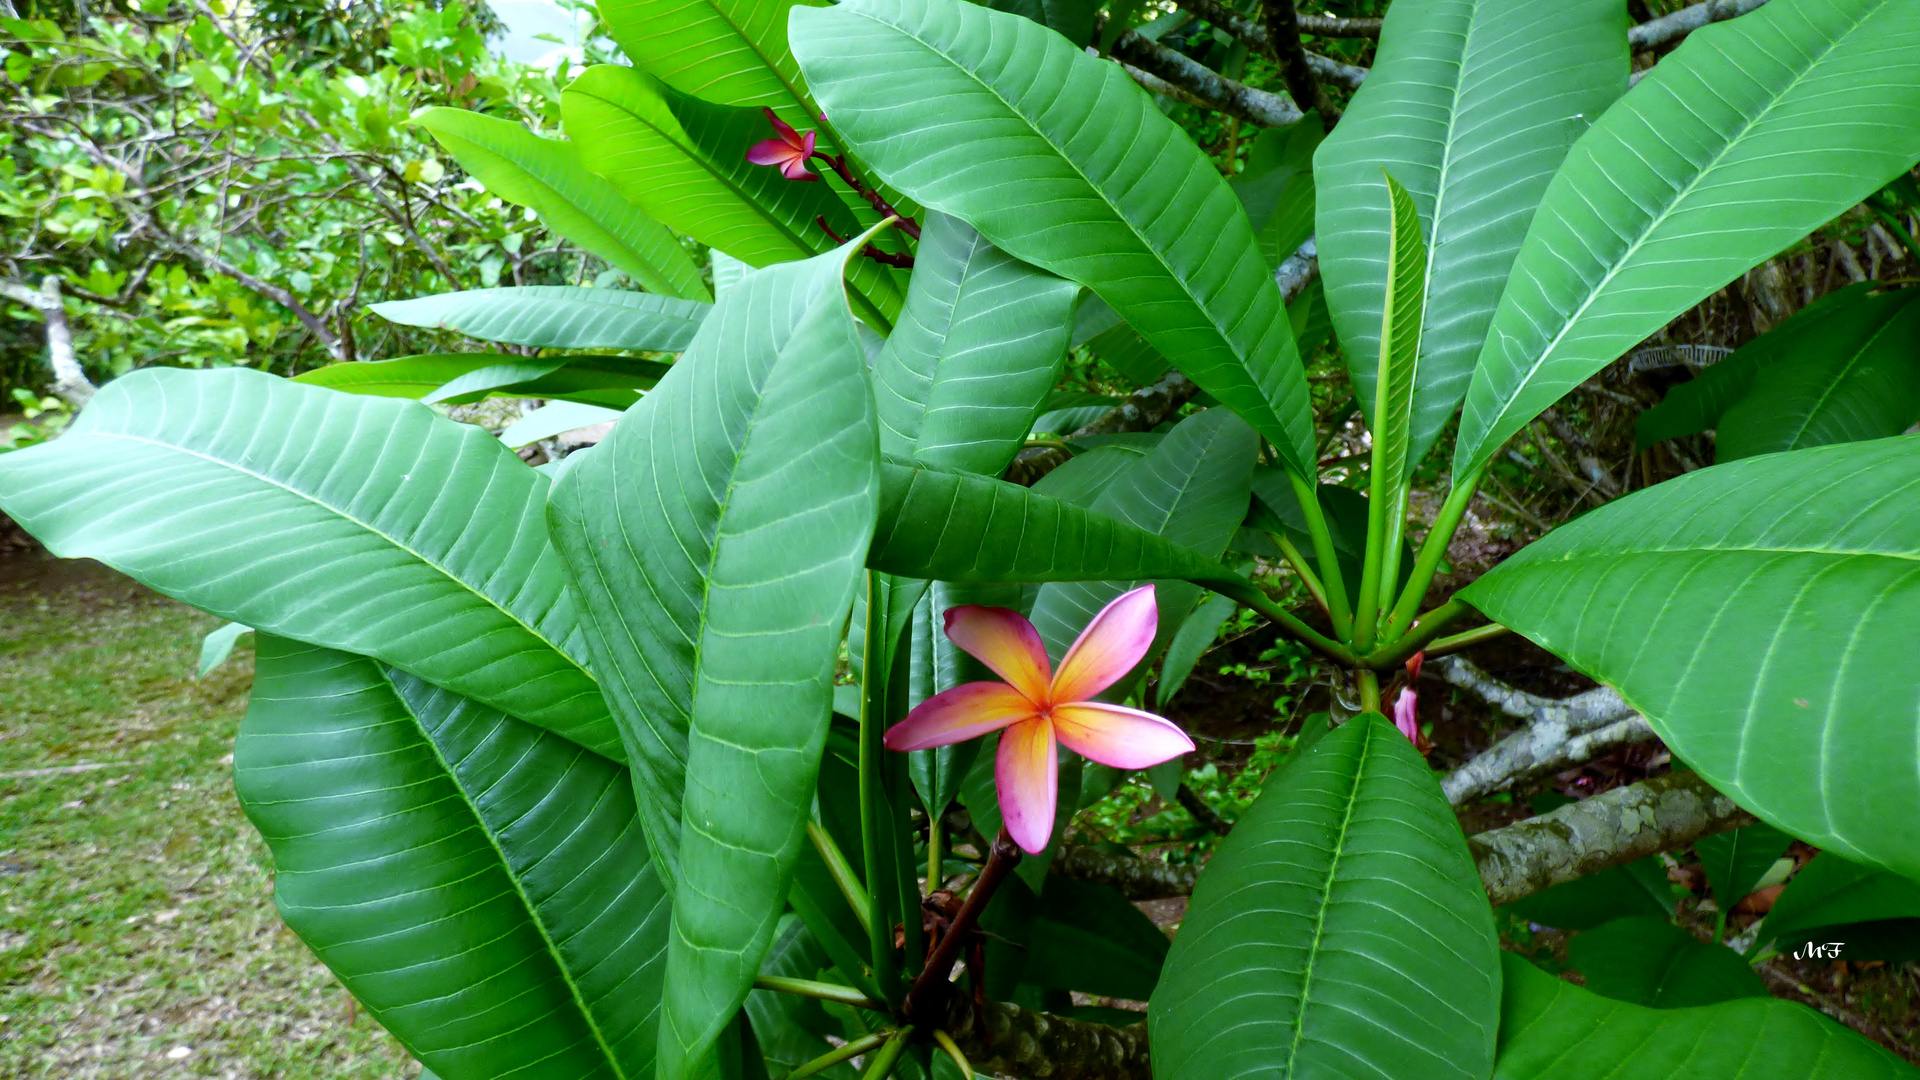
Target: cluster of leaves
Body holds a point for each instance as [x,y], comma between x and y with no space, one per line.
[586,714]
[228,189]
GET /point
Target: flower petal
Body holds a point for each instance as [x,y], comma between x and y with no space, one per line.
[964,712]
[796,169]
[1026,773]
[1109,647]
[791,137]
[769,152]
[1005,641]
[1406,713]
[1117,736]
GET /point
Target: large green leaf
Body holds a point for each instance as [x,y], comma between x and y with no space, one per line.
[1276,186]
[1760,614]
[1753,133]
[684,161]
[1472,105]
[1830,891]
[1652,962]
[975,354]
[557,317]
[1551,1029]
[1696,405]
[481,886]
[716,538]
[547,176]
[1089,938]
[1864,387]
[1061,161]
[1192,490]
[336,519]
[733,52]
[430,375]
[1340,930]
[959,527]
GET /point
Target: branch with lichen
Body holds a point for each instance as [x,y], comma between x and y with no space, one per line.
[1560,732]
[1197,84]
[1668,28]
[1578,839]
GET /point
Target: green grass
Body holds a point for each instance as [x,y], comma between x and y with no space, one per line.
[136,903]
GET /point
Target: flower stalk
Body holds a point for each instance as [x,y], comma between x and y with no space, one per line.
[926,999]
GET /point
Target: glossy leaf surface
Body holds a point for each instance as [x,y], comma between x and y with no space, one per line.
[1759,614]
[976,351]
[1751,134]
[1652,962]
[716,538]
[1339,930]
[557,317]
[683,161]
[1472,105]
[1061,161]
[1553,1030]
[547,176]
[1866,387]
[959,527]
[1736,861]
[344,521]
[732,52]
[481,886]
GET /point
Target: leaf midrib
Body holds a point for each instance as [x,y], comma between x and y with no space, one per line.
[1326,893]
[513,877]
[342,514]
[1833,384]
[1653,223]
[1205,310]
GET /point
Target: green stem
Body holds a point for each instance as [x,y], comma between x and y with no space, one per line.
[1369,690]
[1395,653]
[843,875]
[1249,595]
[1337,609]
[883,1060]
[1466,639]
[1298,561]
[953,1051]
[936,833]
[824,991]
[841,1053]
[1432,550]
[873,690]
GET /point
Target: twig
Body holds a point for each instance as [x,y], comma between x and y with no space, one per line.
[1283,36]
[1560,733]
[1202,813]
[1668,28]
[925,996]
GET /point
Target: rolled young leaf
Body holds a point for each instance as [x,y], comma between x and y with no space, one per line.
[977,349]
[433,374]
[1061,161]
[1551,1029]
[1760,615]
[1340,930]
[1392,423]
[557,317]
[959,527]
[331,518]
[716,538]
[1472,105]
[483,887]
[1731,148]
[547,177]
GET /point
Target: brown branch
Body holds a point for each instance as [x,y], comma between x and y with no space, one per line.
[1191,801]
[1283,37]
[1339,26]
[1560,732]
[1255,37]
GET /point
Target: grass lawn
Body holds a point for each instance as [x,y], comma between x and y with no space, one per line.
[138,936]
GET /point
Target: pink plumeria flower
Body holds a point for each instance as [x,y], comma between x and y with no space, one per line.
[790,151]
[1037,705]
[1406,707]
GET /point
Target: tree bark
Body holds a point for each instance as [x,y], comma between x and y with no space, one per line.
[1283,36]
[1203,86]
[70,382]
[1669,28]
[1559,734]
